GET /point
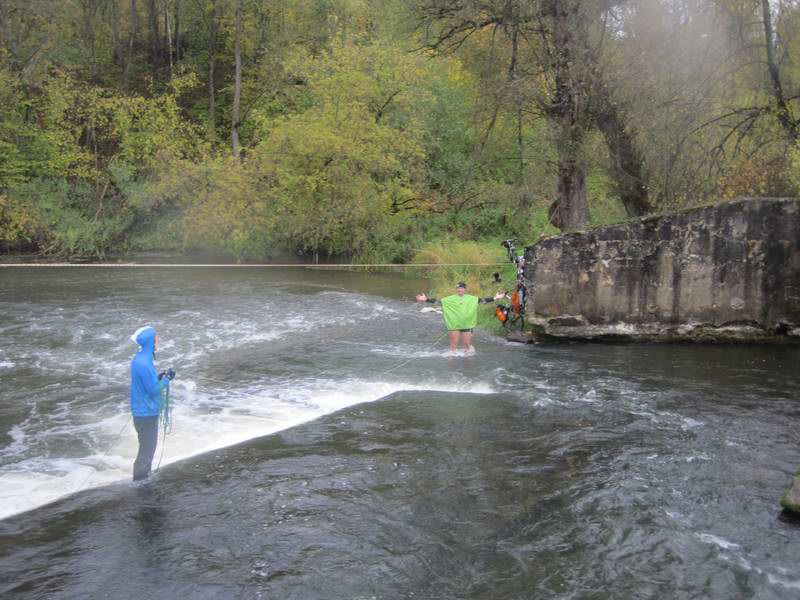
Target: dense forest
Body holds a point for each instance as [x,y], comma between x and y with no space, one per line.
[378,129]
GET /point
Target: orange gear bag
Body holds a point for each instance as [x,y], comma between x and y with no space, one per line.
[516,302]
[501,313]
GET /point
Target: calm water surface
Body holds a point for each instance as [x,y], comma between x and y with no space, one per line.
[325,446]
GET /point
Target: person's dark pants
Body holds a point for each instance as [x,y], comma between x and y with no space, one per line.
[147,431]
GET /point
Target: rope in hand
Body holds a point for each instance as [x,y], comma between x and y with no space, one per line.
[165,418]
[165,409]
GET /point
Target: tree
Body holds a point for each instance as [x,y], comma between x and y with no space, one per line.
[213,31]
[753,27]
[132,33]
[556,45]
[237,85]
[781,104]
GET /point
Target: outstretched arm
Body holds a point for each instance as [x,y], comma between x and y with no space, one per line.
[497,296]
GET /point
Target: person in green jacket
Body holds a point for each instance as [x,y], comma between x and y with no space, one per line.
[460,313]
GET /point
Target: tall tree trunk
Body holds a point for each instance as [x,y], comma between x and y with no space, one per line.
[784,115]
[116,40]
[7,33]
[176,36]
[89,37]
[212,65]
[155,33]
[237,85]
[570,209]
[134,26]
[168,31]
[627,163]
[514,81]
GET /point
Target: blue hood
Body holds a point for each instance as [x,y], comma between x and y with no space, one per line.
[145,387]
[146,338]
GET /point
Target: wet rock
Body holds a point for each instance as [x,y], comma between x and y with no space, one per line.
[723,273]
[522,337]
[791,499]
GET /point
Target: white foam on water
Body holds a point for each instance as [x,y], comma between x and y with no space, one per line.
[6,364]
[694,457]
[77,335]
[407,351]
[17,444]
[264,336]
[460,353]
[722,543]
[793,584]
[412,351]
[666,417]
[781,578]
[740,561]
[544,402]
[36,482]
[375,307]
[237,416]
[689,423]
[676,516]
[645,414]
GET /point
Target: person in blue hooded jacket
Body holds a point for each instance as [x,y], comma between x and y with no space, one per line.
[146,399]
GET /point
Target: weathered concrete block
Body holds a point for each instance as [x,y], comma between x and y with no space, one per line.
[728,272]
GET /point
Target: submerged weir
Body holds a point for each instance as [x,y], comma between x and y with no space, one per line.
[539,471]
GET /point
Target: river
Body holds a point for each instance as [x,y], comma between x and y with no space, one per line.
[325,445]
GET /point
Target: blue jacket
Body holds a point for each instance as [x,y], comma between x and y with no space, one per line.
[145,386]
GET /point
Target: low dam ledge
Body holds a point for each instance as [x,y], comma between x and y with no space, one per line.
[729,272]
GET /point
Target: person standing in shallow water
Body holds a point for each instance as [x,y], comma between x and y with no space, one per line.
[146,388]
[460,312]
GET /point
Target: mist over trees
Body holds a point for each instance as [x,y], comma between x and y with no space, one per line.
[368,129]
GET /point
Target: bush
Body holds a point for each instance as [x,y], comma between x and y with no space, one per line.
[66,219]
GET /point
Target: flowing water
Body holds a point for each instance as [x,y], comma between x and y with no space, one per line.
[325,445]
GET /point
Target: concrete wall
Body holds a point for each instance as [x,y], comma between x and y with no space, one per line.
[724,272]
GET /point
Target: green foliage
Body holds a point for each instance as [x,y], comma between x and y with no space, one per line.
[334,176]
[605,206]
[354,142]
[78,160]
[340,173]
[217,208]
[63,219]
